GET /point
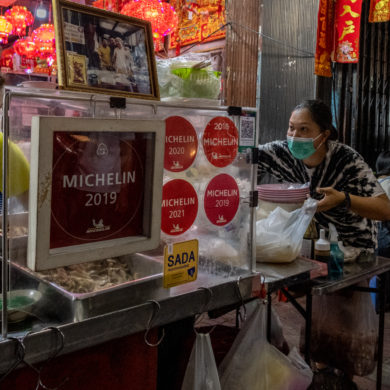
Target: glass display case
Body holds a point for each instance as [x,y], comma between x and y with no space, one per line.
[207,195]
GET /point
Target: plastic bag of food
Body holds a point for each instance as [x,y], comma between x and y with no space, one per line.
[253,363]
[344,331]
[279,236]
[190,76]
[201,372]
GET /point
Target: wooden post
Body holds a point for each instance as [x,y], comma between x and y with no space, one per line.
[241,53]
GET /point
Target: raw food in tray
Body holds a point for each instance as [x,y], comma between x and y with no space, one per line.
[90,277]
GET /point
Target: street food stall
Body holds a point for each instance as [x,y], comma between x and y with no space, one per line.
[128,213]
[199,195]
[123,216]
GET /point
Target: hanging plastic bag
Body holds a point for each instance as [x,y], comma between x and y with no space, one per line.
[253,363]
[344,331]
[201,372]
[277,338]
[279,236]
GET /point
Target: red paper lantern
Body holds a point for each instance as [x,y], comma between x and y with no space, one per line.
[20,17]
[44,39]
[5,29]
[26,47]
[160,14]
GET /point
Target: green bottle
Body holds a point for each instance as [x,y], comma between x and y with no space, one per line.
[336,260]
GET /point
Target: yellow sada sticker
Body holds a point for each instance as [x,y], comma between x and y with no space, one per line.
[180,263]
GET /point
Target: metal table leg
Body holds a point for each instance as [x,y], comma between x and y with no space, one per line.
[309,299]
[381,286]
[269,303]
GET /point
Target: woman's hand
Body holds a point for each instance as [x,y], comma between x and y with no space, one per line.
[371,207]
[331,199]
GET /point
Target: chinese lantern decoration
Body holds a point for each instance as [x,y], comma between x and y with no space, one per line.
[5,29]
[20,17]
[160,14]
[26,47]
[44,39]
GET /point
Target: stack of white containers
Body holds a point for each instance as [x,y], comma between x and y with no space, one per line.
[289,196]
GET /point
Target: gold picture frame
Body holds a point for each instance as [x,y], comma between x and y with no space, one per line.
[104,52]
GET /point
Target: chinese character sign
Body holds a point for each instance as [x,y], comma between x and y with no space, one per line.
[322,64]
[338,32]
[347,31]
[197,20]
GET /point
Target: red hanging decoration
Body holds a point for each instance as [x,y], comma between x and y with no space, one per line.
[324,45]
[160,14]
[379,11]
[44,40]
[5,29]
[20,17]
[26,47]
[347,31]
[108,5]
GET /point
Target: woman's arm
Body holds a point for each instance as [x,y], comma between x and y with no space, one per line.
[373,207]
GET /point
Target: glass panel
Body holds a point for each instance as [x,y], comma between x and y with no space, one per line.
[222,181]
[204,161]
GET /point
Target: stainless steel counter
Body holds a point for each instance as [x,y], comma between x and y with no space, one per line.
[279,275]
[208,292]
[353,273]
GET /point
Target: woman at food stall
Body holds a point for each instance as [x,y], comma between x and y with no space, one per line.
[350,197]
[348,194]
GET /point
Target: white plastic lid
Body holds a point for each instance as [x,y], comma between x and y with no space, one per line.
[322,244]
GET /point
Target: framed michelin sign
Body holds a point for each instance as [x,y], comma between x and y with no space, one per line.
[104,52]
[95,189]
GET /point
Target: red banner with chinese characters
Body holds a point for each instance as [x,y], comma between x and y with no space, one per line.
[197,20]
[324,46]
[379,11]
[347,30]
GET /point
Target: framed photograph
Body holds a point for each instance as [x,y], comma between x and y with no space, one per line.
[95,189]
[104,52]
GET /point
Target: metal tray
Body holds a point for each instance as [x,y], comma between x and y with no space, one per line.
[60,304]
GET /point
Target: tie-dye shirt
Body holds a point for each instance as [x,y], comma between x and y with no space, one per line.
[344,170]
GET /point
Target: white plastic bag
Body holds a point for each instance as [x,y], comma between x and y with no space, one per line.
[279,236]
[252,363]
[201,372]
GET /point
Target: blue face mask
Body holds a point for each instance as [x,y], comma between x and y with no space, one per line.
[301,148]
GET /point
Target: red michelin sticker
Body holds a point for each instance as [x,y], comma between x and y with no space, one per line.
[179,207]
[221,199]
[181,144]
[220,141]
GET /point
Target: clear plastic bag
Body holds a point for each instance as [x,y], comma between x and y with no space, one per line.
[344,331]
[201,372]
[253,363]
[189,76]
[279,236]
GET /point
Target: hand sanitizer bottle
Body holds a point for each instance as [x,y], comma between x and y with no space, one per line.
[336,260]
